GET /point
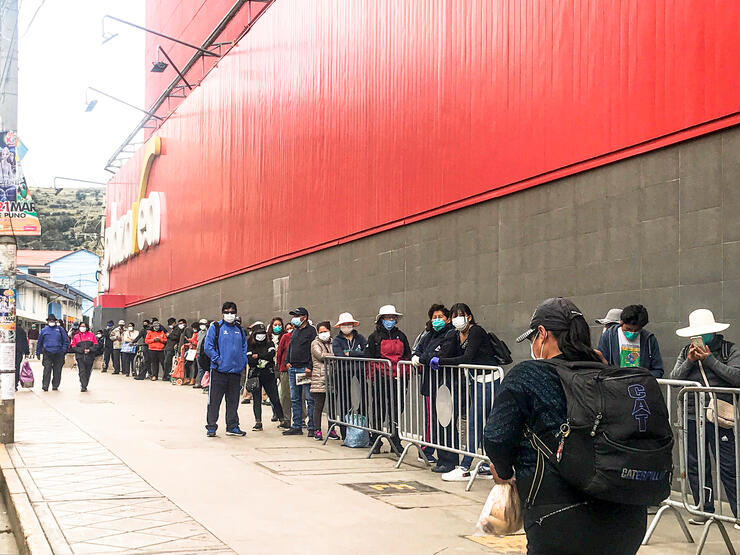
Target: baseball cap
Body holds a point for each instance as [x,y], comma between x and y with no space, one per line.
[300,311]
[553,314]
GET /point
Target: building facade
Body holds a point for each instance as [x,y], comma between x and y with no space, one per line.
[345,155]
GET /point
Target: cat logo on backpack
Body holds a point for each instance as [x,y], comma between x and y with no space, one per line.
[641,410]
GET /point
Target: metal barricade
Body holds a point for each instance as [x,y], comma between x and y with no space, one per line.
[361,393]
[446,409]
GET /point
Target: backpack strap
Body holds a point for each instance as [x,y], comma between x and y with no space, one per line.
[685,351]
[725,351]
[543,453]
[218,329]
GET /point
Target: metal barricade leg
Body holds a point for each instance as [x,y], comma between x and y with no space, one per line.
[725,537]
[665,507]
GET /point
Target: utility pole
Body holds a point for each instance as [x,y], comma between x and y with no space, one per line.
[9,184]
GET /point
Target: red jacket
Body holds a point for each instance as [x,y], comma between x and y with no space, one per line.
[282,350]
[153,345]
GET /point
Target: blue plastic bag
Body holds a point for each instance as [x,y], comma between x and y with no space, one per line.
[355,437]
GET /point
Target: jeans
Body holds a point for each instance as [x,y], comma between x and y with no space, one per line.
[53,363]
[223,384]
[295,399]
[726,466]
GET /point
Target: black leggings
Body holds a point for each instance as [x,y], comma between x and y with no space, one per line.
[585,529]
[267,381]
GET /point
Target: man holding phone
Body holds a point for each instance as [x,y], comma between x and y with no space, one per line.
[630,344]
[711,360]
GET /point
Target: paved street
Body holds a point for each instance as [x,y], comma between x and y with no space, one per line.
[126,468]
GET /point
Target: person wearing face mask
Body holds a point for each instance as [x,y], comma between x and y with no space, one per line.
[33,337]
[21,350]
[629,344]
[716,364]
[468,343]
[107,345]
[298,360]
[284,378]
[52,346]
[116,337]
[85,346]
[141,346]
[274,332]
[173,338]
[226,347]
[156,339]
[202,358]
[429,346]
[261,357]
[612,318]
[128,350]
[387,342]
[348,342]
[531,396]
[190,345]
[321,347]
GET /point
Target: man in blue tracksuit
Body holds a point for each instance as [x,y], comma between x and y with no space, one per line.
[226,346]
[52,344]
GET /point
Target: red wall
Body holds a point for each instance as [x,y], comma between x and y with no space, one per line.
[336,118]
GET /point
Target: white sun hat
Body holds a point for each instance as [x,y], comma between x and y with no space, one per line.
[388,310]
[346,318]
[701,321]
[614,316]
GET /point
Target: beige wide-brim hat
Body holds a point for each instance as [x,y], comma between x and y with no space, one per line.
[346,318]
[700,322]
[388,310]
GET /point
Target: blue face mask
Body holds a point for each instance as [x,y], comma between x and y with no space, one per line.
[438,324]
[296,321]
[631,335]
[389,324]
[277,329]
[707,338]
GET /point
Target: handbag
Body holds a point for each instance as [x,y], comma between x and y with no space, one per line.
[128,348]
[190,355]
[253,381]
[725,416]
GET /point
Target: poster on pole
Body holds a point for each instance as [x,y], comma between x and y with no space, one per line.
[17,210]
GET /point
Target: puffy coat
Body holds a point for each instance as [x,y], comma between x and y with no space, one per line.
[116,335]
[319,350]
[82,342]
[52,339]
[156,340]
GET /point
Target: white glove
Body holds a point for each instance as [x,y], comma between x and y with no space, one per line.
[415,360]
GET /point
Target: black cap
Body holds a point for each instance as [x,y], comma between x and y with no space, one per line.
[554,314]
[300,311]
[51,318]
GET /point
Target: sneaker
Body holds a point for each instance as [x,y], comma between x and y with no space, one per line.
[114,373]
[45,388]
[698,520]
[257,427]
[376,449]
[317,435]
[333,435]
[429,457]
[245,401]
[484,472]
[83,389]
[293,432]
[736,526]
[274,418]
[284,424]
[211,433]
[55,389]
[311,433]
[443,468]
[235,431]
[458,474]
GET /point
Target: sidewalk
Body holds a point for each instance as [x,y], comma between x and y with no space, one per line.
[126,468]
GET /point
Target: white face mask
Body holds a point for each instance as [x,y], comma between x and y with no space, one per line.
[325,336]
[52,324]
[460,322]
[181,326]
[130,328]
[83,329]
[346,330]
[260,336]
[229,318]
[542,348]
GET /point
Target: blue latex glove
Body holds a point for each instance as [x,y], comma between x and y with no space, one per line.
[434,363]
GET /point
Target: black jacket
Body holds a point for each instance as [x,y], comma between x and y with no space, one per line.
[430,345]
[299,350]
[478,348]
[265,351]
[375,348]
[21,342]
[173,338]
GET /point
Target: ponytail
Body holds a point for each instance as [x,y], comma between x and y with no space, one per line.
[575,342]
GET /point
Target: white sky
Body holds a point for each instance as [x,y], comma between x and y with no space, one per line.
[60,55]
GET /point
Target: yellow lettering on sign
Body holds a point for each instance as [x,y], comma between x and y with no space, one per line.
[153,148]
[381,487]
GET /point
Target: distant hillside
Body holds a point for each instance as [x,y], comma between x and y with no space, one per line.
[69,220]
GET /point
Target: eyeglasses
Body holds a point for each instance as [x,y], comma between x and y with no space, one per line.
[229,311]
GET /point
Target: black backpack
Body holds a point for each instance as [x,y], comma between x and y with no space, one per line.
[217,327]
[500,349]
[616,444]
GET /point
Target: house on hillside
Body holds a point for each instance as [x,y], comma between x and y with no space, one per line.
[78,269]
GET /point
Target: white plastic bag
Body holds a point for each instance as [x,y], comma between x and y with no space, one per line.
[502,513]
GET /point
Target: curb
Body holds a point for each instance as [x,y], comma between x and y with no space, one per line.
[29,534]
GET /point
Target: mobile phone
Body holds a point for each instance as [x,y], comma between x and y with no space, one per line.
[697,341]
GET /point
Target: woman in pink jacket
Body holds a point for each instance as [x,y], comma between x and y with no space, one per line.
[85,347]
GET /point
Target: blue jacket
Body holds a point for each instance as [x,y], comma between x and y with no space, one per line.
[231,355]
[649,350]
[52,339]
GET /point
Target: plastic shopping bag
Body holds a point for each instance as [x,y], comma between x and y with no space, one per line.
[502,513]
[206,381]
[355,437]
[26,375]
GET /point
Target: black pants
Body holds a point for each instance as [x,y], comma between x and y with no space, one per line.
[384,407]
[156,360]
[267,381]
[18,362]
[726,466]
[168,354]
[189,369]
[53,363]
[116,356]
[127,363]
[596,527]
[107,355]
[223,385]
[318,408]
[84,369]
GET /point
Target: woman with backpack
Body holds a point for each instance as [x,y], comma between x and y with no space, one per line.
[85,346]
[468,343]
[261,374]
[558,517]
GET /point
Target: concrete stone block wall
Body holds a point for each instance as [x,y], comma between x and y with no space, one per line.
[661,229]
